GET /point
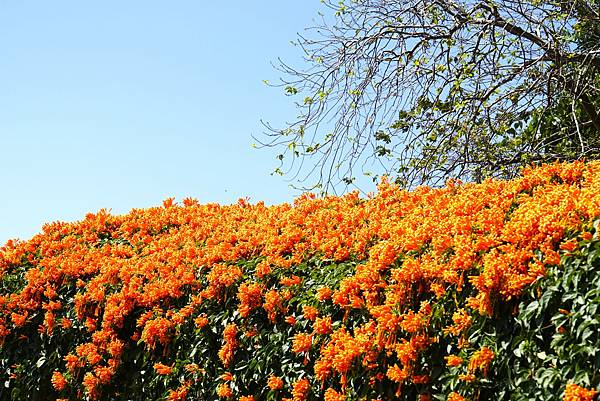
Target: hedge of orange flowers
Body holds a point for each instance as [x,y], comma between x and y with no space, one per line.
[402,294]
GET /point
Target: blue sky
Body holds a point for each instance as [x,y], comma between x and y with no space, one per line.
[121,104]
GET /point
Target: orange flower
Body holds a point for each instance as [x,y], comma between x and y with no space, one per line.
[324,293]
[58,381]
[72,362]
[455,397]
[396,374]
[412,322]
[322,325]
[191,367]
[18,319]
[230,333]
[262,269]
[66,323]
[469,377]
[157,330]
[332,395]
[300,390]
[301,342]
[252,332]
[272,304]
[437,289]
[573,392]
[453,360]
[462,321]
[224,391]
[569,245]
[115,348]
[310,312]
[201,321]
[290,281]
[163,369]
[190,202]
[480,360]
[90,352]
[250,296]
[90,383]
[180,394]
[274,383]
[226,354]
[409,246]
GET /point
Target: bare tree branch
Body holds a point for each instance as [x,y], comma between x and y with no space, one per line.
[426,90]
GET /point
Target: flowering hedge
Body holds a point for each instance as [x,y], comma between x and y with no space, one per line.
[468,292]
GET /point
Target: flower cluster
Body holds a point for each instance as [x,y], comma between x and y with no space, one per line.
[573,392]
[227,350]
[115,282]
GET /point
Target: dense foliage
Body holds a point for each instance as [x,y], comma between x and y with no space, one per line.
[467,292]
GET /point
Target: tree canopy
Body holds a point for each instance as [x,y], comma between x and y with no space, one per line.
[427,90]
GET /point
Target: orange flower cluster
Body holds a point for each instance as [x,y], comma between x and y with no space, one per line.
[462,321]
[90,383]
[179,394]
[227,350]
[157,330]
[341,351]
[274,382]
[494,238]
[58,381]
[310,312]
[300,390]
[224,391]
[481,360]
[453,360]
[332,395]
[250,296]
[273,305]
[302,342]
[324,293]
[162,369]
[323,325]
[455,397]
[573,392]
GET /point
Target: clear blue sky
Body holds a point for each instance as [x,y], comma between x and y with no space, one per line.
[121,104]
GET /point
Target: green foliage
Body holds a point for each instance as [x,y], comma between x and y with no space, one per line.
[549,337]
[557,330]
